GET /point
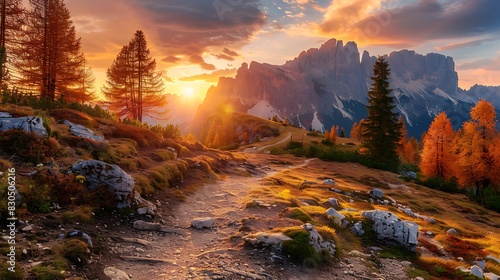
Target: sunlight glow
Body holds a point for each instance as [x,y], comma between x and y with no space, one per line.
[188,92]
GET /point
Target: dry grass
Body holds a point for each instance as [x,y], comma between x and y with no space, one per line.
[74,116]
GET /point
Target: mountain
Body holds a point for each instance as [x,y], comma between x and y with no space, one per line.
[329,85]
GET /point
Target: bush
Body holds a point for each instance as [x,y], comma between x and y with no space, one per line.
[76,251]
[441,184]
[491,199]
[28,146]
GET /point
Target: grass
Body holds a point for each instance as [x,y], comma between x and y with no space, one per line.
[298,214]
[81,214]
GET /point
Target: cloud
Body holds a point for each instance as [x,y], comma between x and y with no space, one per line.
[197,59]
[466,44]
[484,64]
[414,23]
[210,77]
[171,59]
[176,28]
[227,54]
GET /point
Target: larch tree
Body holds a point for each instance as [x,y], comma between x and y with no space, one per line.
[133,87]
[11,19]
[50,57]
[356,130]
[334,133]
[380,130]
[477,150]
[438,159]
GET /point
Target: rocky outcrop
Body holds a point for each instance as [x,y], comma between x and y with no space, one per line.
[389,227]
[318,242]
[82,131]
[98,173]
[28,124]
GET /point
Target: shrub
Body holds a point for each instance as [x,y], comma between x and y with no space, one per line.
[298,214]
[143,136]
[76,251]
[439,183]
[29,146]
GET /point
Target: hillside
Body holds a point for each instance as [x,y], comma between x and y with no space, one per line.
[203,213]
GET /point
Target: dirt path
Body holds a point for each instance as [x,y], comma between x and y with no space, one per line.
[220,253]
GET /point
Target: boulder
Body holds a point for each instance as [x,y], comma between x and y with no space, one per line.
[476,271]
[329,182]
[98,173]
[451,231]
[333,201]
[337,217]
[317,241]
[116,274]
[201,223]
[28,124]
[267,239]
[358,229]
[82,131]
[377,193]
[491,276]
[389,227]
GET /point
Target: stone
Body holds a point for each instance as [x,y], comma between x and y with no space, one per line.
[481,264]
[77,233]
[329,182]
[142,225]
[27,228]
[495,259]
[337,217]
[476,271]
[318,242]
[358,229]
[82,131]
[267,239]
[144,207]
[335,190]
[333,201]
[98,173]
[116,274]
[201,223]
[491,276]
[451,231]
[388,226]
[377,193]
[28,124]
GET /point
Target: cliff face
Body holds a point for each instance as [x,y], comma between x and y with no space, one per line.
[329,85]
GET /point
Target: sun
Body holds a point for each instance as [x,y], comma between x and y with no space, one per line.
[188,92]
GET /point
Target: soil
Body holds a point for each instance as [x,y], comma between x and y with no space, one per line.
[220,252]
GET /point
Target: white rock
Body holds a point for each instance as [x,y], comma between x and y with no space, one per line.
[451,231]
[116,274]
[82,131]
[267,239]
[333,201]
[481,264]
[329,182]
[28,124]
[201,223]
[377,193]
[476,271]
[142,225]
[491,276]
[358,229]
[317,241]
[337,217]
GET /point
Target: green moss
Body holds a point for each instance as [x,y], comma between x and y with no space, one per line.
[299,214]
[46,273]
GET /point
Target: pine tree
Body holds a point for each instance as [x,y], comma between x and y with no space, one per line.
[342,133]
[381,131]
[437,156]
[11,19]
[50,59]
[133,87]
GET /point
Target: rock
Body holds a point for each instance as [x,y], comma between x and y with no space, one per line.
[201,223]
[419,278]
[144,207]
[491,276]
[329,182]
[99,173]
[377,193]
[5,115]
[490,257]
[28,124]
[451,231]
[82,131]
[77,233]
[116,274]
[388,226]
[356,253]
[267,239]
[481,264]
[142,225]
[337,217]
[317,241]
[27,228]
[358,229]
[409,174]
[335,190]
[476,271]
[333,201]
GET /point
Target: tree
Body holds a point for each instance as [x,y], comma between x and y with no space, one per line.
[50,59]
[133,87]
[333,134]
[11,18]
[356,130]
[437,156]
[476,147]
[381,131]
[342,133]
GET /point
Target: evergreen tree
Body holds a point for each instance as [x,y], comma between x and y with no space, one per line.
[342,133]
[381,131]
[11,19]
[133,87]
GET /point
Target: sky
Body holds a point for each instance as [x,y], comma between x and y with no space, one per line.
[196,41]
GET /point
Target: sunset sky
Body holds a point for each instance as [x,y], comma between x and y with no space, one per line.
[196,41]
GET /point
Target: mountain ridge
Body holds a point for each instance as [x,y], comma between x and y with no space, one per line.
[328,86]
